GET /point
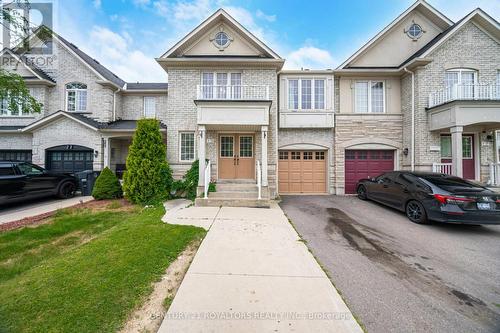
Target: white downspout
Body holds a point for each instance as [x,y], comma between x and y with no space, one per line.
[114,103]
[412,118]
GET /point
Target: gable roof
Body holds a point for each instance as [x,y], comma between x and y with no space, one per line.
[420,4]
[483,19]
[213,20]
[40,74]
[104,73]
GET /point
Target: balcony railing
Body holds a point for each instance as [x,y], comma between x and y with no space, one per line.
[465,92]
[445,168]
[233,93]
[494,174]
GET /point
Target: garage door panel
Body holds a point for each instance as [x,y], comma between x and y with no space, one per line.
[302,172]
[364,164]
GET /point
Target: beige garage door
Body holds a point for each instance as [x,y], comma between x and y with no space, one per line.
[302,171]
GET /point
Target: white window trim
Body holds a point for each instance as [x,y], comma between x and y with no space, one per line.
[497,145]
[20,111]
[180,146]
[76,90]
[144,106]
[369,82]
[313,95]
[214,81]
[462,70]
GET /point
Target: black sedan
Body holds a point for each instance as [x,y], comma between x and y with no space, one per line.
[23,180]
[437,197]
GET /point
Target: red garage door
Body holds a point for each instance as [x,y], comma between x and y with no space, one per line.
[365,164]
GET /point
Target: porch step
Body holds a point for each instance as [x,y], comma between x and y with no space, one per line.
[236,181]
[233,202]
[232,194]
[223,187]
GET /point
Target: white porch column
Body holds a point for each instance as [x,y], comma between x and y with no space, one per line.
[107,152]
[264,135]
[456,150]
[202,136]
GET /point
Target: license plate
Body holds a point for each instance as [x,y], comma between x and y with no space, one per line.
[484,206]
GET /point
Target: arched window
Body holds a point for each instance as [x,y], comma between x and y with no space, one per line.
[76,97]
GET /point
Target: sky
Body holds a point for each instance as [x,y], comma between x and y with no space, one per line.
[127,35]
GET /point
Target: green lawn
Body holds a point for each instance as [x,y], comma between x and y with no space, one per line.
[85,271]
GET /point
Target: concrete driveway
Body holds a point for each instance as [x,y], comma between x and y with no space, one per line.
[252,273]
[397,276]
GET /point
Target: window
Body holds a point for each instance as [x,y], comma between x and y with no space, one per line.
[6,111]
[467,149]
[227,146]
[308,155]
[15,155]
[283,155]
[187,146]
[415,31]
[29,169]
[6,170]
[76,97]
[369,97]
[311,96]
[221,38]
[221,85]
[149,107]
[295,155]
[498,145]
[246,146]
[460,82]
[350,155]
[320,155]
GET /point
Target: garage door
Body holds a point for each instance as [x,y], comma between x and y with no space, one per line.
[302,171]
[364,164]
[15,155]
[69,160]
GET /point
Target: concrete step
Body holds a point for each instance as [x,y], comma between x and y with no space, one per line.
[233,194]
[236,187]
[236,181]
[234,202]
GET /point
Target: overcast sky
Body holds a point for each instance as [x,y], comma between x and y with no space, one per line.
[126,35]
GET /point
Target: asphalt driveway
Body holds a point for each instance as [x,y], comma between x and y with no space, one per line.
[397,276]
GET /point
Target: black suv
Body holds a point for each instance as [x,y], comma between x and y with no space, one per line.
[23,180]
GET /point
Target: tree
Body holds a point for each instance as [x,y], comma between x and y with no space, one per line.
[13,89]
[107,186]
[148,177]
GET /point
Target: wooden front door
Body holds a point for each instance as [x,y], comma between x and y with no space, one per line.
[236,156]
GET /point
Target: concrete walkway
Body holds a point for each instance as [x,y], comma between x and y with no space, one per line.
[34,208]
[253,274]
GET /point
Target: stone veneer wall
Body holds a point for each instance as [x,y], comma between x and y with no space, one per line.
[471,48]
[382,129]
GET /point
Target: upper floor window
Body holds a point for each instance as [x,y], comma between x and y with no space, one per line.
[460,76]
[149,107]
[221,85]
[369,97]
[76,97]
[7,111]
[306,94]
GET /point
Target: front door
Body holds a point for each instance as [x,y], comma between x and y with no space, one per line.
[468,160]
[236,156]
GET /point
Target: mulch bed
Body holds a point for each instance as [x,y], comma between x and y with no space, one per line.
[94,205]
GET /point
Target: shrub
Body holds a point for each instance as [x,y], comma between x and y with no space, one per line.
[187,187]
[148,177]
[107,186]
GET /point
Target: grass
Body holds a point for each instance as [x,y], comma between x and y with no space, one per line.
[86,271]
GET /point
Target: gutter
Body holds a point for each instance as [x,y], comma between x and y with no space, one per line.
[114,103]
[412,117]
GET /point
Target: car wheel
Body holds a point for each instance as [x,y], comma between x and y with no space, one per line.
[66,190]
[362,192]
[415,211]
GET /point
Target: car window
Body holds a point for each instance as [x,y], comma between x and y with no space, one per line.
[29,169]
[448,181]
[6,170]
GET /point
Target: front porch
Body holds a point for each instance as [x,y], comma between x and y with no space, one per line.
[469,139]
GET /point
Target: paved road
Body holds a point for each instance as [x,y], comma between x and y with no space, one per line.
[397,276]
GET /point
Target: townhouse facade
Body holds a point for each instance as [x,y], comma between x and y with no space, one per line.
[423,94]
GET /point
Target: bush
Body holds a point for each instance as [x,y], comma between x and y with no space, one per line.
[188,185]
[107,186]
[148,177]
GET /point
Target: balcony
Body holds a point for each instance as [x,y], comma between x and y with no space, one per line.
[232,92]
[465,92]
[306,119]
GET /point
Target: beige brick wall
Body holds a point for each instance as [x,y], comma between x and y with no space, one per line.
[471,48]
[15,141]
[132,106]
